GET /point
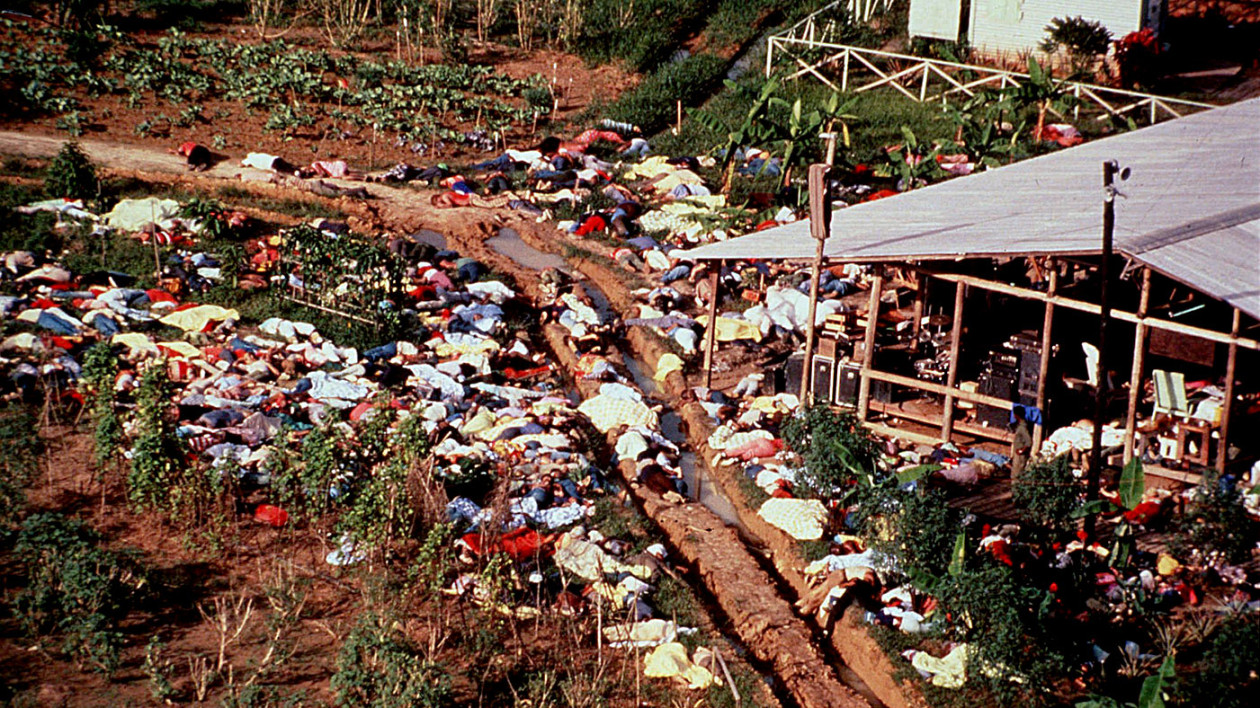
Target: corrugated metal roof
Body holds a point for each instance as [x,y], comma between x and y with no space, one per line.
[1191,210]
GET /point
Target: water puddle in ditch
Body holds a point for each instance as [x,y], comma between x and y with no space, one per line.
[508,243]
[701,487]
[430,237]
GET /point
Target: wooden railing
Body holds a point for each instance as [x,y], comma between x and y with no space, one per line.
[807,48]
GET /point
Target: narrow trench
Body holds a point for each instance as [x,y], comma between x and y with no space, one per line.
[704,490]
[701,487]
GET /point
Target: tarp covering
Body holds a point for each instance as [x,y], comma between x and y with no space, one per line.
[134,214]
[1190,209]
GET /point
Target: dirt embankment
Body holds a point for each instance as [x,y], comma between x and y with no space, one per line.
[761,618]
[848,638]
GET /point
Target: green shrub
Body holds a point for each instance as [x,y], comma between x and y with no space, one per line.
[651,104]
[71,174]
[1084,40]
[19,436]
[158,454]
[1046,495]
[378,667]
[1016,649]
[1227,671]
[100,369]
[75,588]
[642,36]
[836,449]
[916,529]
[1216,522]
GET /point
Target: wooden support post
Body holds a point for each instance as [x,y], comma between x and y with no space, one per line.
[1139,363]
[820,228]
[1047,344]
[1231,369]
[872,319]
[920,302]
[955,349]
[710,332]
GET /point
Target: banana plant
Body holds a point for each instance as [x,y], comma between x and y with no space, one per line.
[911,162]
[979,132]
[749,132]
[792,134]
[1042,92]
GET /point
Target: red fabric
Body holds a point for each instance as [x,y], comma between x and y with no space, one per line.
[999,550]
[157,295]
[62,343]
[43,304]
[271,515]
[424,292]
[358,411]
[1143,513]
[880,195]
[592,135]
[519,544]
[592,225]
[525,373]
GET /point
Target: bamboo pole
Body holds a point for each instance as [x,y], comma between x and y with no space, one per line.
[1231,367]
[955,349]
[710,332]
[1139,362]
[868,342]
[820,228]
[1047,344]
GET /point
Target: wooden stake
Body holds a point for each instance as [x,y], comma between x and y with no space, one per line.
[820,228]
[872,318]
[1231,367]
[710,332]
[1047,325]
[1139,362]
[955,349]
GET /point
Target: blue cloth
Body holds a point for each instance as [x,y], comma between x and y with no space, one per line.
[105,325]
[643,243]
[678,272]
[1032,414]
[996,458]
[385,351]
[48,320]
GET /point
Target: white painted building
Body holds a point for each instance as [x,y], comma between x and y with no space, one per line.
[1014,26]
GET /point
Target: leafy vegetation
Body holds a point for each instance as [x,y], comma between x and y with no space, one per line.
[836,450]
[75,589]
[19,436]
[378,667]
[71,174]
[1047,496]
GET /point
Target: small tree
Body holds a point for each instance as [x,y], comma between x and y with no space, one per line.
[1047,496]
[158,455]
[378,667]
[71,175]
[1216,521]
[1084,40]
[100,368]
[835,448]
